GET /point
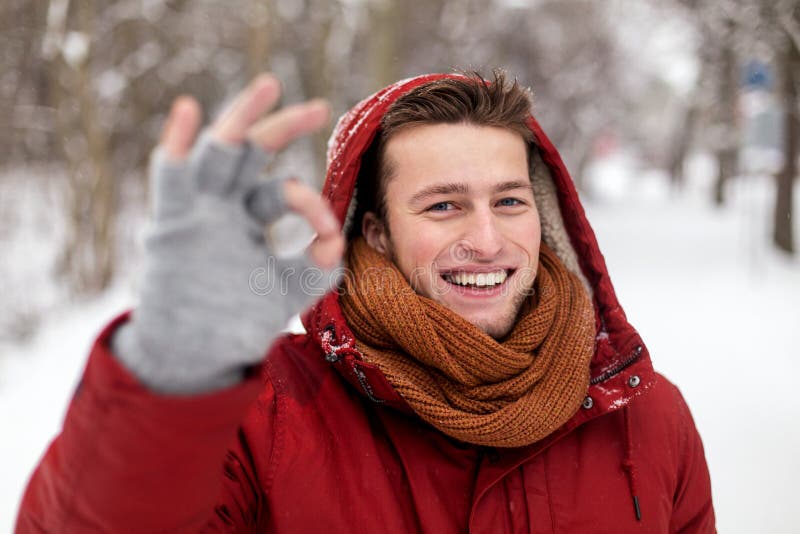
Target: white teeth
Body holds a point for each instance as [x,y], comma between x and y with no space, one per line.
[479,280]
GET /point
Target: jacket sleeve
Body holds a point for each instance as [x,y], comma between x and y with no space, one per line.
[693,510]
[130,460]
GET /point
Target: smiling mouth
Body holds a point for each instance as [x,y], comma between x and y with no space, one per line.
[478,280]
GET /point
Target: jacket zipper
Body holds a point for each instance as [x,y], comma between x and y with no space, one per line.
[619,367]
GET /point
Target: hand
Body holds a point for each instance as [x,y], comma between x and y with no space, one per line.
[244,121]
[201,321]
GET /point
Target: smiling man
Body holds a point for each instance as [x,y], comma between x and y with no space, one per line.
[472,370]
[460,220]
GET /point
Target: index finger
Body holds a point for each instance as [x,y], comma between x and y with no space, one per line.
[277,130]
[262,93]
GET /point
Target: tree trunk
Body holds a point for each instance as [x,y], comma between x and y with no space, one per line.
[680,147]
[727,152]
[258,42]
[782,232]
[317,75]
[87,256]
[383,21]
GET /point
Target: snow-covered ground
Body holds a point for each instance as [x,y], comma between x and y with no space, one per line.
[717,308]
[720,313]
[36,383]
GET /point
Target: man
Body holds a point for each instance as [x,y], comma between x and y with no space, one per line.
[472,369]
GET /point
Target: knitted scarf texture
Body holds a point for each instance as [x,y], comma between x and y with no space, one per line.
[500,393]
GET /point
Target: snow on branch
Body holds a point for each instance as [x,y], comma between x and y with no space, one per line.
[54,32]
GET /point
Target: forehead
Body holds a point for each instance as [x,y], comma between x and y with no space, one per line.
[477,156]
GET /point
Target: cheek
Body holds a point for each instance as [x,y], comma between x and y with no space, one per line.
[526,239]
[533,240]
[526,232]
[418,253]
[417,247]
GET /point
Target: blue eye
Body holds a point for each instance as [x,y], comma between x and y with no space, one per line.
[509,202]
[441,206]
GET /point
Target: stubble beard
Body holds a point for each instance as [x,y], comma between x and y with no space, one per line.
[496,327]
[499,327]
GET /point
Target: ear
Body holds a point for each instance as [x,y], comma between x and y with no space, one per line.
[374,231]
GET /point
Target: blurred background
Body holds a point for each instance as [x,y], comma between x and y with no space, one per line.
[678,119]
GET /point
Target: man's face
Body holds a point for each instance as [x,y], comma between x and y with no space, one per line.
[462,224]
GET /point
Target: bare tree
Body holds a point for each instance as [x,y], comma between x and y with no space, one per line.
[23,83]
[728,141]
[385,18]
[787,19]
[729,29]
[107,70]
[87,259]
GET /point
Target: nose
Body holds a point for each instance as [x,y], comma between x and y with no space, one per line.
[483,236]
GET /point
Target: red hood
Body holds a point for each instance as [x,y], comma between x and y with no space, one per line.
[619,353]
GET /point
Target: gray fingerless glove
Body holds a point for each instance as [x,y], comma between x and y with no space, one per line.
[213,294]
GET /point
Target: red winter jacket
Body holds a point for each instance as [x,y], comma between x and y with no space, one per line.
[328,445]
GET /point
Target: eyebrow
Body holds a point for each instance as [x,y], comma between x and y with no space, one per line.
[462,189]
[512,185]
[439,189]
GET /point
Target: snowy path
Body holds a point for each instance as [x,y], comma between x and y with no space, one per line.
[720,315]
[36,382]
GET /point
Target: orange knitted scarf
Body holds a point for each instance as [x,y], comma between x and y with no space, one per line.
[476,389]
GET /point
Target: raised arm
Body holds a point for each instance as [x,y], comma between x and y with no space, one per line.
[165,390]
[213,294]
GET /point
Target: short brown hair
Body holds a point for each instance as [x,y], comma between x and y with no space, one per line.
[469,99]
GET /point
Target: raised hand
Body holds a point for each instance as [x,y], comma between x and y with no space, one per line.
[214,295]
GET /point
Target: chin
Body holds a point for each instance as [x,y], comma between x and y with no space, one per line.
[499,324]
[497,329]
